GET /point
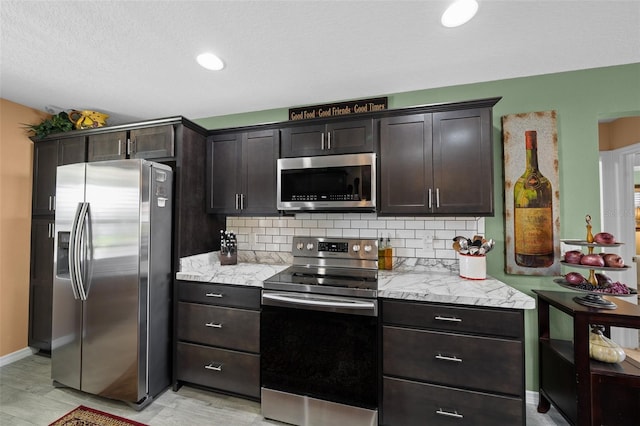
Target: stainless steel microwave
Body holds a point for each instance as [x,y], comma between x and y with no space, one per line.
[327,183]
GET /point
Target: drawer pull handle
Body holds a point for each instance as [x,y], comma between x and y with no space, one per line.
[213,325]
[452,319]
[455,414]
[213,367]
[214,295]
[448,358]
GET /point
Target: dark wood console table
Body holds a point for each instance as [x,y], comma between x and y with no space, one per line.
[585,391]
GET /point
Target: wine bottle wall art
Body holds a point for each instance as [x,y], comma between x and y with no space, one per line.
[532,202]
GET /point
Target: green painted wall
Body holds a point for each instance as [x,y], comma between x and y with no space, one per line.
[580,99]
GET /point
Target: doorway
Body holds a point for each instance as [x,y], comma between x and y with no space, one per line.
[618,170]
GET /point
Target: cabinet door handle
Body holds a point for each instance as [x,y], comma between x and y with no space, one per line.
[429,197]
[437,198]
[328,140]
[448,358]
[455,414]
[128,146]
[322,142]
[237,203]
[213,325]
[50,230]
[241,201]
[53,204]
[452,319]
[214,295]
[119,147]
[213,367]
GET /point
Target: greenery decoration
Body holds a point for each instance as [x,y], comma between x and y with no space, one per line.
[57,123]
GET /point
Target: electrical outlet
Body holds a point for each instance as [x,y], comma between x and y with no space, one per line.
[428,242]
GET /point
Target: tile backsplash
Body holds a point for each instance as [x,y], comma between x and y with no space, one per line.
[411,237]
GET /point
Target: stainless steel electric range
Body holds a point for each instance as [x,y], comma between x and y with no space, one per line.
[319,335]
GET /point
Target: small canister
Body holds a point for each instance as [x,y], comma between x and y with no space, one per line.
[473,267]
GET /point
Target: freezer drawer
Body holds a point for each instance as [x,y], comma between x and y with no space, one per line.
[221,369]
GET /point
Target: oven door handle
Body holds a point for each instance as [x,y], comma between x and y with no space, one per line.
[321,303]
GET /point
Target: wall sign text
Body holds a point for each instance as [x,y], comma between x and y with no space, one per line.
[338,109]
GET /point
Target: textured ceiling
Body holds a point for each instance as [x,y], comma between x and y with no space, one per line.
[135,59]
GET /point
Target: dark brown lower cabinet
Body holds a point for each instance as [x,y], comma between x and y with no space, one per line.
[217,331]
[616,399]
[444,365]
[408,403]
[222,369]
[41,283]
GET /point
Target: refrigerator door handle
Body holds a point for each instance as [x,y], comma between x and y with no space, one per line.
[76,250]
[72,252]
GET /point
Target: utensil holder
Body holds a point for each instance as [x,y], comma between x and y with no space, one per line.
[473,267]
[228,258]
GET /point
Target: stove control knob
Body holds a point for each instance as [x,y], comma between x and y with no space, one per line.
[300,246]
[367,248]
[356,248]
[309,246]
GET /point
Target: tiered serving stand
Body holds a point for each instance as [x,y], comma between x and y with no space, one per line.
[592,298]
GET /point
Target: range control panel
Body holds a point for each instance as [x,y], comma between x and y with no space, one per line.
[340,248]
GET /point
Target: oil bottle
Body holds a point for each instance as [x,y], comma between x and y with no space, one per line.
[381,254]
[388,255]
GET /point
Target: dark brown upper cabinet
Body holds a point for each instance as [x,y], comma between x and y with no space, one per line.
[47,156]
[149,143]
[438,163]
[337,137]
[241,172]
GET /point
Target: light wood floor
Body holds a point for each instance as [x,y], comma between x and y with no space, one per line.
[27,397]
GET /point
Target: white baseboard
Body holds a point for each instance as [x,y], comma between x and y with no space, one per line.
[532,397]
[15,356]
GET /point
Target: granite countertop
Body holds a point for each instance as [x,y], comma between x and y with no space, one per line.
[408,282]
[449,287]
[250,271]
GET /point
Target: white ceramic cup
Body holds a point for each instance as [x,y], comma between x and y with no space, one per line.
[473,267]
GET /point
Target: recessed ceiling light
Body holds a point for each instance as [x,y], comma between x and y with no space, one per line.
[460,12]
[210,61]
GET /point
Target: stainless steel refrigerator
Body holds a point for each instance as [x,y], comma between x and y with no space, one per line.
[111,327]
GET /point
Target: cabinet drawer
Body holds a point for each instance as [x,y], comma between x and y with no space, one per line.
[453,359]
[222,369]
[219,294]
[497,322]
[219,326]
[407,403]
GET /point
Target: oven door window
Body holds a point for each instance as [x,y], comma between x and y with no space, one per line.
[323,355]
